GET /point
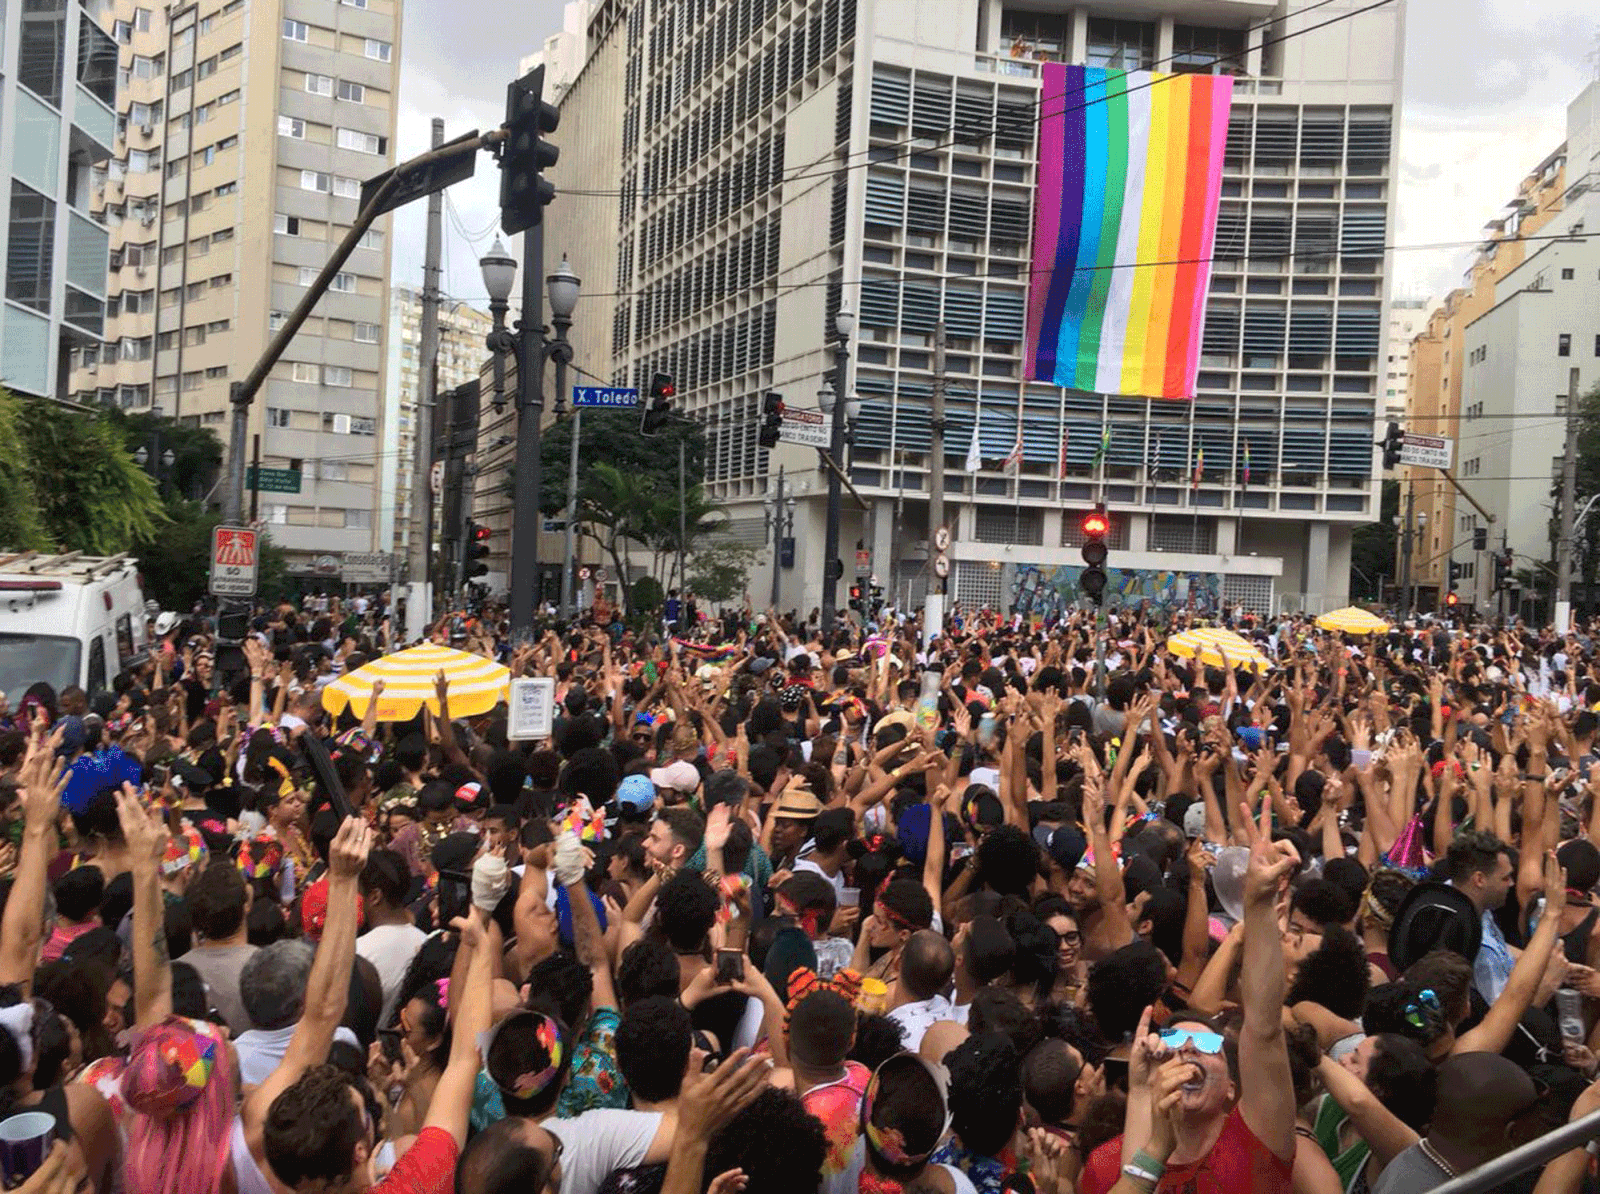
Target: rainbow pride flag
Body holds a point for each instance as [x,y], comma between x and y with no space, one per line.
[1130,169]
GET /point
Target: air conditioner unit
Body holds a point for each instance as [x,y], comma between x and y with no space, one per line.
[140,271]
[341,424]
[148,219]
[146,130]
[91,367]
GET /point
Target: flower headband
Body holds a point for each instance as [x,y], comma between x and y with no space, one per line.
[529,1083]
[886,1141]
[804,983]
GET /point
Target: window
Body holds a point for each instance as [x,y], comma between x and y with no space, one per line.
[288,225]
[337,375]
[277,417]
[354,3]
[216,326]
[205,68]
[381,50]
[315,180]
[1199,49]
[181,80]
[361,426]
[372,238]
[135,348]
[231,52]
[228,97]
[343,282]
[292,126]
[305,371]
[1597,344]
[275,320]
[221,236]
[221,282]
[363,142]
[97,62]
[32,247]
[347,188]
[1121,45]
[366,333]
[356,93]
[227,188]
[141,160]
[296,30]
[42,51]
[308,274]
[148,68]
[1564,344]
[141,20]
[215,371]
[319,84]
[1566,275]
[357,519]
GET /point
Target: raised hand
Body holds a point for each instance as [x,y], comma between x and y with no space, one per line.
[717,827]
[351,845]
[145,829]
[1270,862]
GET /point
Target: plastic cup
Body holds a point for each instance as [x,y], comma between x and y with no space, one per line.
[25,1141]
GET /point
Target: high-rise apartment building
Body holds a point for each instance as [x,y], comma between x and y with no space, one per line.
[1438,367]
[1520,358]
[1407,317]
[462,332]
[58,91]
[747,168]
[243,133]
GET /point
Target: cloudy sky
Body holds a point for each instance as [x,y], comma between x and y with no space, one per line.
[1486,88]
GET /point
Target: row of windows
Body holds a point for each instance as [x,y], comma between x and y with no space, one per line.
[372,47]
[738,266]
[286,225]
[318,516]
[194,291]
[283,418]
[309,373]
[355,93]
[334,184]
[295,127]
[1564,344]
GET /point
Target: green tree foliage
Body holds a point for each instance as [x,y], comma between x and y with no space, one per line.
[1372,548]
[88,493]
[612,437]
[721,571]
[21,527]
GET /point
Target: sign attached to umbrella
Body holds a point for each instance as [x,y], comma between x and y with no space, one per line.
[533,708]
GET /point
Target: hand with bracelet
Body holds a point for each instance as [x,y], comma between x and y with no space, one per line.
[1143,1171]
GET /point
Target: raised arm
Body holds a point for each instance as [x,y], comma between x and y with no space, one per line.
[452,1096]
[146,834]
[1494,1031]
[328,985]
[1267,1099]
[44,778]
[588,941]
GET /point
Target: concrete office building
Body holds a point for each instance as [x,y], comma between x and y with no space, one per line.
[1407,317]
[243,134]
[1519,356]
[1439,366]
[462,332]
[779,156]
[58,93]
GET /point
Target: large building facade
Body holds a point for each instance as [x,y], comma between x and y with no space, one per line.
[1442,524]
[1521,356]
[243,134]
[58,92]
[781,158]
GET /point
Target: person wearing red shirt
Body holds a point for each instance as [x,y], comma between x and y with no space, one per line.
[1202,1114]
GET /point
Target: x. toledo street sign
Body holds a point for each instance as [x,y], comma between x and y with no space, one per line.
[415,181]
[591,396]
[233,562]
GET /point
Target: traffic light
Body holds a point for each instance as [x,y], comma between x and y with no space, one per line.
[1457,571]
[658,404]
[1092,580]
[855,599]
[1451,598]
[1502,568]
[1391,445]
[525,155]
[477,549]
[771,419]
[1480,538]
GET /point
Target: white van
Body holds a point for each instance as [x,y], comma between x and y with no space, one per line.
[68,619]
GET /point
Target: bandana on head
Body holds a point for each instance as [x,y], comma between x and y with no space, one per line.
[188,1051]
[184,850]
[804,983]
[260,857]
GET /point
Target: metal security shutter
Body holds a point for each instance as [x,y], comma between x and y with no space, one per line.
[1252,593]
[891,98]
[931,116]
[977,584]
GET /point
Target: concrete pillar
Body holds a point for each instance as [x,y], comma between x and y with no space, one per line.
[1080,35]
[884,547]
[1138,530]
[1314,572]
[1227,536]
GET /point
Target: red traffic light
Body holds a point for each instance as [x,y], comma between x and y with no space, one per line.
[480,532]
[1452,599]
[1096,525]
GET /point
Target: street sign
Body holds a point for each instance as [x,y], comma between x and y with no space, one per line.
[599,576]
[583,573]
[807,427]
[941,565]
[415,181]
[863,562]
[941,539]
[366,567]
[1427,451]
[605,396]
[233,561]
[273,480]
[552,525]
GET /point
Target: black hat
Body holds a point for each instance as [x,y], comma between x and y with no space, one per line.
[1434,916]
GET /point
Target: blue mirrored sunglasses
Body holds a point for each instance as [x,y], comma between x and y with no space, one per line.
[1205,1042]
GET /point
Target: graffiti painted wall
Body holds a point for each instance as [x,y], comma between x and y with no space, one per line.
[1046,589]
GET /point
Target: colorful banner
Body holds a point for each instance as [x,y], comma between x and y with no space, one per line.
[1130,170]
[1047,590]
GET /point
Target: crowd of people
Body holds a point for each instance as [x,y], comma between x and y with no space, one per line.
[880,908]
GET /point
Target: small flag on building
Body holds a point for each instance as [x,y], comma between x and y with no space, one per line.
[1246,464]
[1100,452]
[1014,459]
[974,453]
[1199,467]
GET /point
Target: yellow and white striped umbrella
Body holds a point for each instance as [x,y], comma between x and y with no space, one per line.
[477,684]
[1352,619]
[1209,643]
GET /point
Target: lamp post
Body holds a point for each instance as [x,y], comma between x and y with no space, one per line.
[780,524]
[563,286]
[163,460]
[844,326]
[499,275]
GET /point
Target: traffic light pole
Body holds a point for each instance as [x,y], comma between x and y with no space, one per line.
[530,409]
[830,549]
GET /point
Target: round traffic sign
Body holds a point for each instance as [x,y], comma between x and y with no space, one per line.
[599,576]
[941,539]
[941,565]
[583,573]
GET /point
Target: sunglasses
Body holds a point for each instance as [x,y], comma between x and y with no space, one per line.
[1204,1042]
[1426,999]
